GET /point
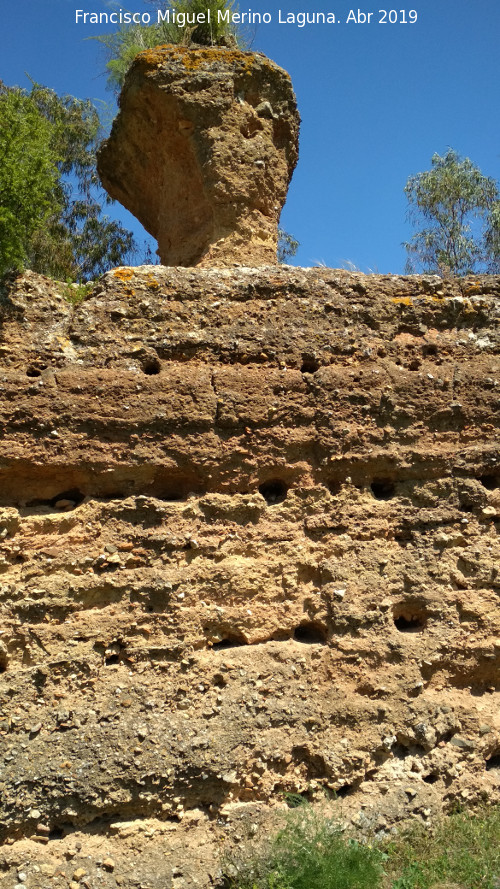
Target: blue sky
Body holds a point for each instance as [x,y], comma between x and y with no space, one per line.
[376,100]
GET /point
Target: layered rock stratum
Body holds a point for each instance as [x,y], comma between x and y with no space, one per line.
[248,549]
[202,153]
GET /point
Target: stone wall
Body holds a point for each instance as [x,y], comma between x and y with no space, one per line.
[248,547]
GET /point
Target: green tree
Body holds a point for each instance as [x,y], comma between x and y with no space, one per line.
[28,175]
[51,203]
[123,45]
[287,245]
[492,239]
[460,209]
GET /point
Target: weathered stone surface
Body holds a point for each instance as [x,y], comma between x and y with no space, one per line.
[202,152]
[279,573]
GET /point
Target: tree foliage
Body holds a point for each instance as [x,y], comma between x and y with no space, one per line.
[287,245]
[123,45]
[28,175]
[460,209]
[51,204]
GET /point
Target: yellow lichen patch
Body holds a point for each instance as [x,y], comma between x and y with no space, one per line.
[156,55]
[472,289]
[193,59]
[124,274]
[402,300]
[151,282]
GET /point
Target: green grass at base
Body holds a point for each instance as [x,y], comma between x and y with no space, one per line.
[312,852]
[463,849]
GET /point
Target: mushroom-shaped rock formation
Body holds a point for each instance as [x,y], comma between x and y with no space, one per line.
[202,153]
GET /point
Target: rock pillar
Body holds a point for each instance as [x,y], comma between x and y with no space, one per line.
[202,153]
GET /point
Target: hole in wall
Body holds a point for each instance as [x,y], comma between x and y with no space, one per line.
[431,778]
[151,366]
[115,653]
[231,640]
[409,624]
[4,658]
[383,488]
[174,486]
[40,678]
[310,634]
[250,127]
[344,791]
[490,481]
[57,833]
[333,486]
[172,496]
[273,491]
[64,501]
[401,751]
[112,659]
[219,680]
[68,499]
[493,762]
[33,372]
[429,349]
[409,618]
[309,366]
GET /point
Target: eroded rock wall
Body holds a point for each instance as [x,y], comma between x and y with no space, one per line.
[248,547]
